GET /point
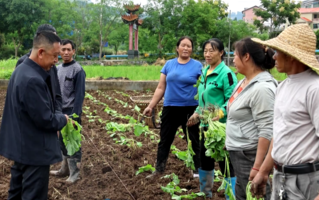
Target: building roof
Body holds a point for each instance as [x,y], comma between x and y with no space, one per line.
[308,10]
[251,8]
[306,19]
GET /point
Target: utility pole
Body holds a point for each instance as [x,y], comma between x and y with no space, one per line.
[228,55]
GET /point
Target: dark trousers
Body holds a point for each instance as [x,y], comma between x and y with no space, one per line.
[78,155]
[173,117]
[244,162]
[29,182]
[208,163]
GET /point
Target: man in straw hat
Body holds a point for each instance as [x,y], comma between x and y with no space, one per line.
[294,150]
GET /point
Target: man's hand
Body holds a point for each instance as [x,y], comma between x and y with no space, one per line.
[317,198]
[194,119]
[258,185]
[67,118]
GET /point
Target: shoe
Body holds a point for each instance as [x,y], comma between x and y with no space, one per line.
[206,180]
[63,171]
[74,167]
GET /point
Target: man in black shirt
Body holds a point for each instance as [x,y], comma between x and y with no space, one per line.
[30,121]
[57,97]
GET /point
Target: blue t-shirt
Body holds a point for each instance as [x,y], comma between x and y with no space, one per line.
[180,80]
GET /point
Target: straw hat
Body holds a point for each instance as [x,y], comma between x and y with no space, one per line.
[298,41]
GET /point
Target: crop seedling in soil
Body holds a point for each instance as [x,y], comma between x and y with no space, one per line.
[172,188]
[248,193]
[145,169]
[182,155]
[71,134]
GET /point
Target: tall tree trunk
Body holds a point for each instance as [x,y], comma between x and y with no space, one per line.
[101,42]
[16,47]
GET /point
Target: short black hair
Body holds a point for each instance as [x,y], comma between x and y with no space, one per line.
[182,38]
[45,38]
[67,41]
[45,27]
[216,44]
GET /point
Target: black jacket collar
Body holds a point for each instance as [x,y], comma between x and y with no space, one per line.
[37,68]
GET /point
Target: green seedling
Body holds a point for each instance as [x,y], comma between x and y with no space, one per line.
[145,169]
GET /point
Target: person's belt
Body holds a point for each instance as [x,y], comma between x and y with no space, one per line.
[298,169]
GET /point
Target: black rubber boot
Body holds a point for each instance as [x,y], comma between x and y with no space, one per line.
[160,168]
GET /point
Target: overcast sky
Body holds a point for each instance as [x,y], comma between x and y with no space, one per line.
[233,5]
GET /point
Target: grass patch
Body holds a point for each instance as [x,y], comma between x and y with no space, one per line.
[136,73]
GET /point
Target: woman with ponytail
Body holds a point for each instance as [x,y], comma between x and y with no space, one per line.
[250,113]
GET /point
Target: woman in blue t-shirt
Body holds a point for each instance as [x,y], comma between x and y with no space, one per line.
[176,84]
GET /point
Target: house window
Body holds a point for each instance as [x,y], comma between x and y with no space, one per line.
[315,16]
[243,14]
[315,26]
[315,4]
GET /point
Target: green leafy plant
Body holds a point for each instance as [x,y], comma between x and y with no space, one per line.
[196,85]
[172,188]
[226,183]
[71,134]
[146,168]
[189,153]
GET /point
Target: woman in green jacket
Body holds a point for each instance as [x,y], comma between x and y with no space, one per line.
[215,88]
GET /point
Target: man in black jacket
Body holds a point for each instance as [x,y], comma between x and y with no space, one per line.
[57,97]
[30,122]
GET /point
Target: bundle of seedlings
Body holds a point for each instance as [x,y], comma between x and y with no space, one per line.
[215,137]
[71,134]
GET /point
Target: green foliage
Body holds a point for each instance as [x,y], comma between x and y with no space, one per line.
[172,188]
[71,134]
[19,19]
[317,36]
[277,11]
[215,135]
[189,153]
[146,168]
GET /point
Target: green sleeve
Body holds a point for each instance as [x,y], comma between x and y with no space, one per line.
[230,82]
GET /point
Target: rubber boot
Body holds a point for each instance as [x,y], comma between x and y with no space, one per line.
[160,168]
[63,171]
[206,181]
[74,170]
[231,180]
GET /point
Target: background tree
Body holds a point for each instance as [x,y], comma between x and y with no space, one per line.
[163,20]
[276,11]
[19,19]
[119,35]
[200,19]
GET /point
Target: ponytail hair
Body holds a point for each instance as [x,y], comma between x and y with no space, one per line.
[262,56]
